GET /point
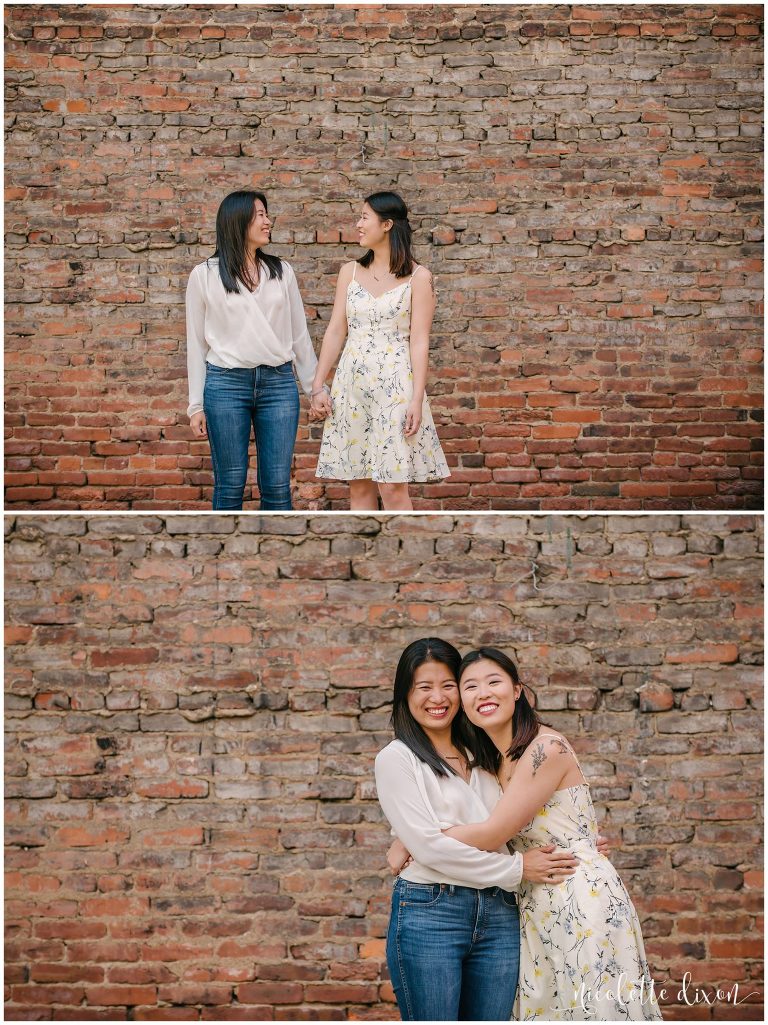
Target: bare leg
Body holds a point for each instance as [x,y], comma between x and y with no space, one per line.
[363,496]
[395,496]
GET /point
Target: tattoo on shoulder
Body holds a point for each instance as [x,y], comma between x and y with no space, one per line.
[538,757]
[561,746]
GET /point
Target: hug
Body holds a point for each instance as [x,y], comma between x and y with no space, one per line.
[505,904]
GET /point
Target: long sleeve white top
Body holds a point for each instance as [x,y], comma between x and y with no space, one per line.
[419,804]
[266,327]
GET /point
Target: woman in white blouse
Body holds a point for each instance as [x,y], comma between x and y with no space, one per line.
[454,934]
[246,330]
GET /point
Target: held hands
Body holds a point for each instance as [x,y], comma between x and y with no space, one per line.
[398,857]
[320,405]
[541,865]
[412,418]
[197,423]
[603,845]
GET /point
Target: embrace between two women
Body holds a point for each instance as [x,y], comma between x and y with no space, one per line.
[472,769]
[246,331]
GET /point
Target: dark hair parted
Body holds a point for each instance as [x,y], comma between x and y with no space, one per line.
[525,721]
[389,206]
[428,649]
[232,219]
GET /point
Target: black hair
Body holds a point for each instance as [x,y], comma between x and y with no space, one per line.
[525,721]
[232,219]
[428,649]
[390,206]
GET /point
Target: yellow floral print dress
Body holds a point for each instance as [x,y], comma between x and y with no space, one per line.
[364,437]
[581,950]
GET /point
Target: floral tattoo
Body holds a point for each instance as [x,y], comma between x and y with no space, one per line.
[538,758]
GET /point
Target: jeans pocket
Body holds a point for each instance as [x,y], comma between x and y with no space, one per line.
[420,894]
[509,899]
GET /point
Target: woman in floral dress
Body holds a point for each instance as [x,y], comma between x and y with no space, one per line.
[379,433]
[582,956]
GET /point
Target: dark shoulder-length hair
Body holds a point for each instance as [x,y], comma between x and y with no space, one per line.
[232,220]
[390,206]
[428,649]
[525,721]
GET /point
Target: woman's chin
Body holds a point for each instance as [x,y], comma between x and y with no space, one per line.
[486,722]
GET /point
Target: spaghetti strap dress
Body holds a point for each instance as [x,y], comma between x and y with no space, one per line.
[581,949]
[363,438]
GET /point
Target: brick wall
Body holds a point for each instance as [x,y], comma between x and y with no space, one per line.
[585,183]
[194,705]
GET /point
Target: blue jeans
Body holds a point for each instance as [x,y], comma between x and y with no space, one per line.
[453,952]
[267,399]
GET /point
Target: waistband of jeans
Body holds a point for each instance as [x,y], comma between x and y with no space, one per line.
[248,370]
[489,891]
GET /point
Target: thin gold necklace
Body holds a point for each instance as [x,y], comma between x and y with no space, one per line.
[463,762]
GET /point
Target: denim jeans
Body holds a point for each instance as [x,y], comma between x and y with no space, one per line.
[453,952]
[267,399]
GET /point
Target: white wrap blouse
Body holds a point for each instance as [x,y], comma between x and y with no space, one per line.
[419,804]
[245,329]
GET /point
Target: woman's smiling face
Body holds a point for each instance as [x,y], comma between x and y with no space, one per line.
[259,228]
[488,694]
[433,700]
[370,227]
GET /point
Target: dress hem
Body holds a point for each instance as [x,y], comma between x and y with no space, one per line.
[379,480]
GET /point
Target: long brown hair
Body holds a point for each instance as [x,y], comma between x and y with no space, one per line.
[525,721]
[389,206]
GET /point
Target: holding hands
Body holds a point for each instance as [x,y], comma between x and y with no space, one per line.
[320,405]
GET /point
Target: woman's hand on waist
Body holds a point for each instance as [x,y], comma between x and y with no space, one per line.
[548,866]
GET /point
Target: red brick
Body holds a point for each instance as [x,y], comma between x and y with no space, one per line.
[173,788]
[656,697]
[270,993]
[124,657]
[90,836]
[705,653]
[744,948]
[69,995]
[113,996]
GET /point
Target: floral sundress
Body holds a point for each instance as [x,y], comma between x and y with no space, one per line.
[364,439]
[581,949]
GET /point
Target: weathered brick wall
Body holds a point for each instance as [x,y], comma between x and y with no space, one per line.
[194,705]
[585,183]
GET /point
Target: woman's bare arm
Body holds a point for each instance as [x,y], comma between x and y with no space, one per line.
[539,774]
[336,332]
